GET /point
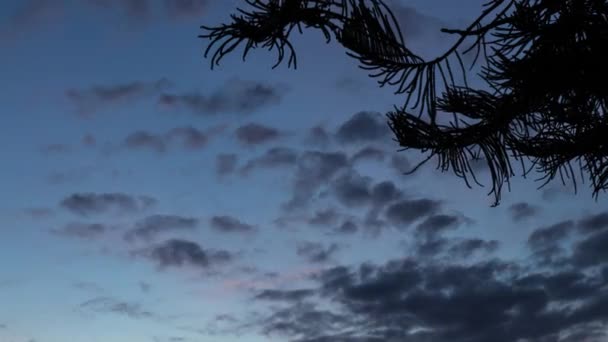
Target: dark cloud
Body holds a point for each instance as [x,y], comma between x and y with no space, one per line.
[364,127]
[31,15]
[188,137]
[550,235]
[352,189]
[467,248]
[83,230]
[112,305]
[368,153]
[409,300]
[98,97]
[229,224]
[39,213]
[185,8]
[236,96]
[405,212]
[154,225]
[592,250]
[256,134]
[51,149]
[594,223]
[415,24]
[522,210]
[137,9]
[273,157]
[316,252]
[284,295]
[225,163]
[179,253]
[400,163]
[318,135]
[347,227]
[324,217]
[314,169]
[89,203]
[436,224]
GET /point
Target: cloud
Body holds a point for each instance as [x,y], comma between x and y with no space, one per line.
[409,300]
[112,305]
[88,101]
[235,96]
[368,153]
[314,169]
[137,9]
[352,190]
[55,149]
[187,137]
[284,295]
[468,247]
[405,212]
[436,224]
[185,8]
[85,204]
[364,127]
[594,223]
[83,230]
[400,163]
[39,213]
[255,134]
[154,225]
[272,158]
[225,163]
[318,135]
[32,15]
[548,236]
[180,253]
[324,217]
[316,252]
[229,224]
[522,210]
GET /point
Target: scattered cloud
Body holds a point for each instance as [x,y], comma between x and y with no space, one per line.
[83,230]
[253,134]
[235,96]
[364,127]
[89,203]
[225,163]
[316,252]
[150,227]
[104,305]
[229,224]
[182,253]
[272,158]
[522,210]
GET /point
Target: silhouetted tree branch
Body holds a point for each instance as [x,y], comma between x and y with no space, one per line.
[543,64]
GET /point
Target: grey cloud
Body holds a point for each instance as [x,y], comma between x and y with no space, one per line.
[522,210]
[314,169]
[318,135]
[352,189]
[225,163]
[189,138]
[404,212]
[89,203]
[39,213]
[83,230]
[151,226]
[594,223]
[364,127]
[132,8]
[186,8]
[255,134]
[368,153]
[179,253]
[316,252]
[98,97]
[592,250]
[285,295]
[229,224]
[550,235]
[467,248]
[434,225]
[236,96]
[273,157]
[347,227]
[324,217]
[400,163]
[112,305]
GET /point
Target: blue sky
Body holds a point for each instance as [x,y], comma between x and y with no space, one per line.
[146,197]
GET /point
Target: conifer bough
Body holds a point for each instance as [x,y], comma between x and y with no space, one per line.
[543,63]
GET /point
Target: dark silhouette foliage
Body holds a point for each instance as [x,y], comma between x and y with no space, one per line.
[543,61]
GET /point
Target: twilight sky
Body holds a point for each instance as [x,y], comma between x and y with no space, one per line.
[146,198]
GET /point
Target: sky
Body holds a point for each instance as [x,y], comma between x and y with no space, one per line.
[146,197]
